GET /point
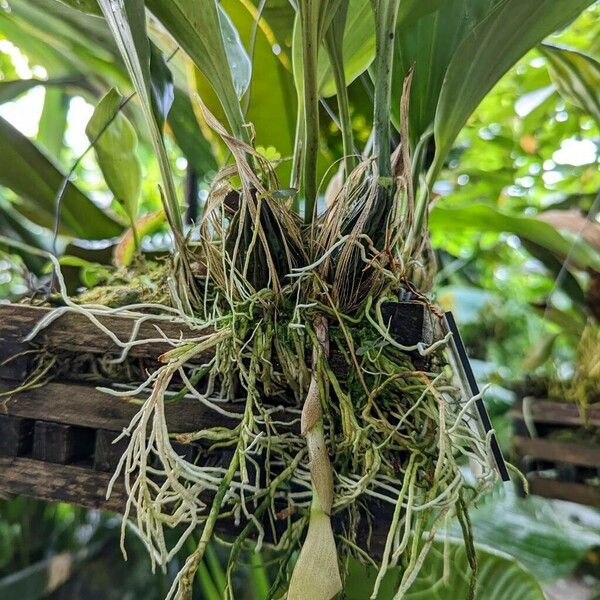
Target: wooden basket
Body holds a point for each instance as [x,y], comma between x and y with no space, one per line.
[556,468]
[56,439]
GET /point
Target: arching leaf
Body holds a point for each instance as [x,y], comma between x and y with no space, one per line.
[576,76]
[486,218]
[26,170]
[206,34]
[500,577]
[486,53]
[127,22]
[115,143]
[427,45]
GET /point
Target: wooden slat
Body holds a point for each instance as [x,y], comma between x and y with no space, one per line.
[559,413]
[16,436]
[107,452]
[60,443]
[563,452]
[59,483]
[85,406]
[73,332]
[560,490]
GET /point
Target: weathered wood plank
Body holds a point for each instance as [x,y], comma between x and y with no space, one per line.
[84,405]
[73,332]
[87,487]
[107,453]
[560,490]
[558,413]
[59,483]
[562,452]
[60,443]
[16,436]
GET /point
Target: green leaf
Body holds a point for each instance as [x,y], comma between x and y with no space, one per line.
[35,179]
[9,90]
[500,577]
[90,273]
[259,576]
[127,22]
[576,76]
[487,52]
[427,45]
[358,47]
[161,85]
[115,143]
[563,277]
[271,97]
[412,10]
[16,227]
[206,34]
[189,137]
[540,352]
[548,538]
[65,41]
[481,217]
[53,122]
[87,6]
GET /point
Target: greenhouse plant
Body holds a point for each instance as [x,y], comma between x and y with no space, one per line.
[346,447]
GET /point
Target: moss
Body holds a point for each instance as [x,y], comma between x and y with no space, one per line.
[584,389]
[143,282]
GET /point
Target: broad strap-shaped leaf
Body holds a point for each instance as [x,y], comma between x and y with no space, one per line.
[412,10]
[499,577]
[271,97]
[488,51]
[544,536]
[207,35]
[427,45]
[127,22]
[53,121]
[11,89]
[482,217]
[30,174]
[576,76]
[87,6]
[189,137]
[115,142]
[64,40]
[15,226]
[358,47]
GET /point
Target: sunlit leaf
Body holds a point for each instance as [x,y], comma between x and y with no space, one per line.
[127,22]
[115,143]
[480,217]
[493,566]
[53,121]
[358,47]
[487,52]
[36,180]
[577,77]
[9,90]
[211,41]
